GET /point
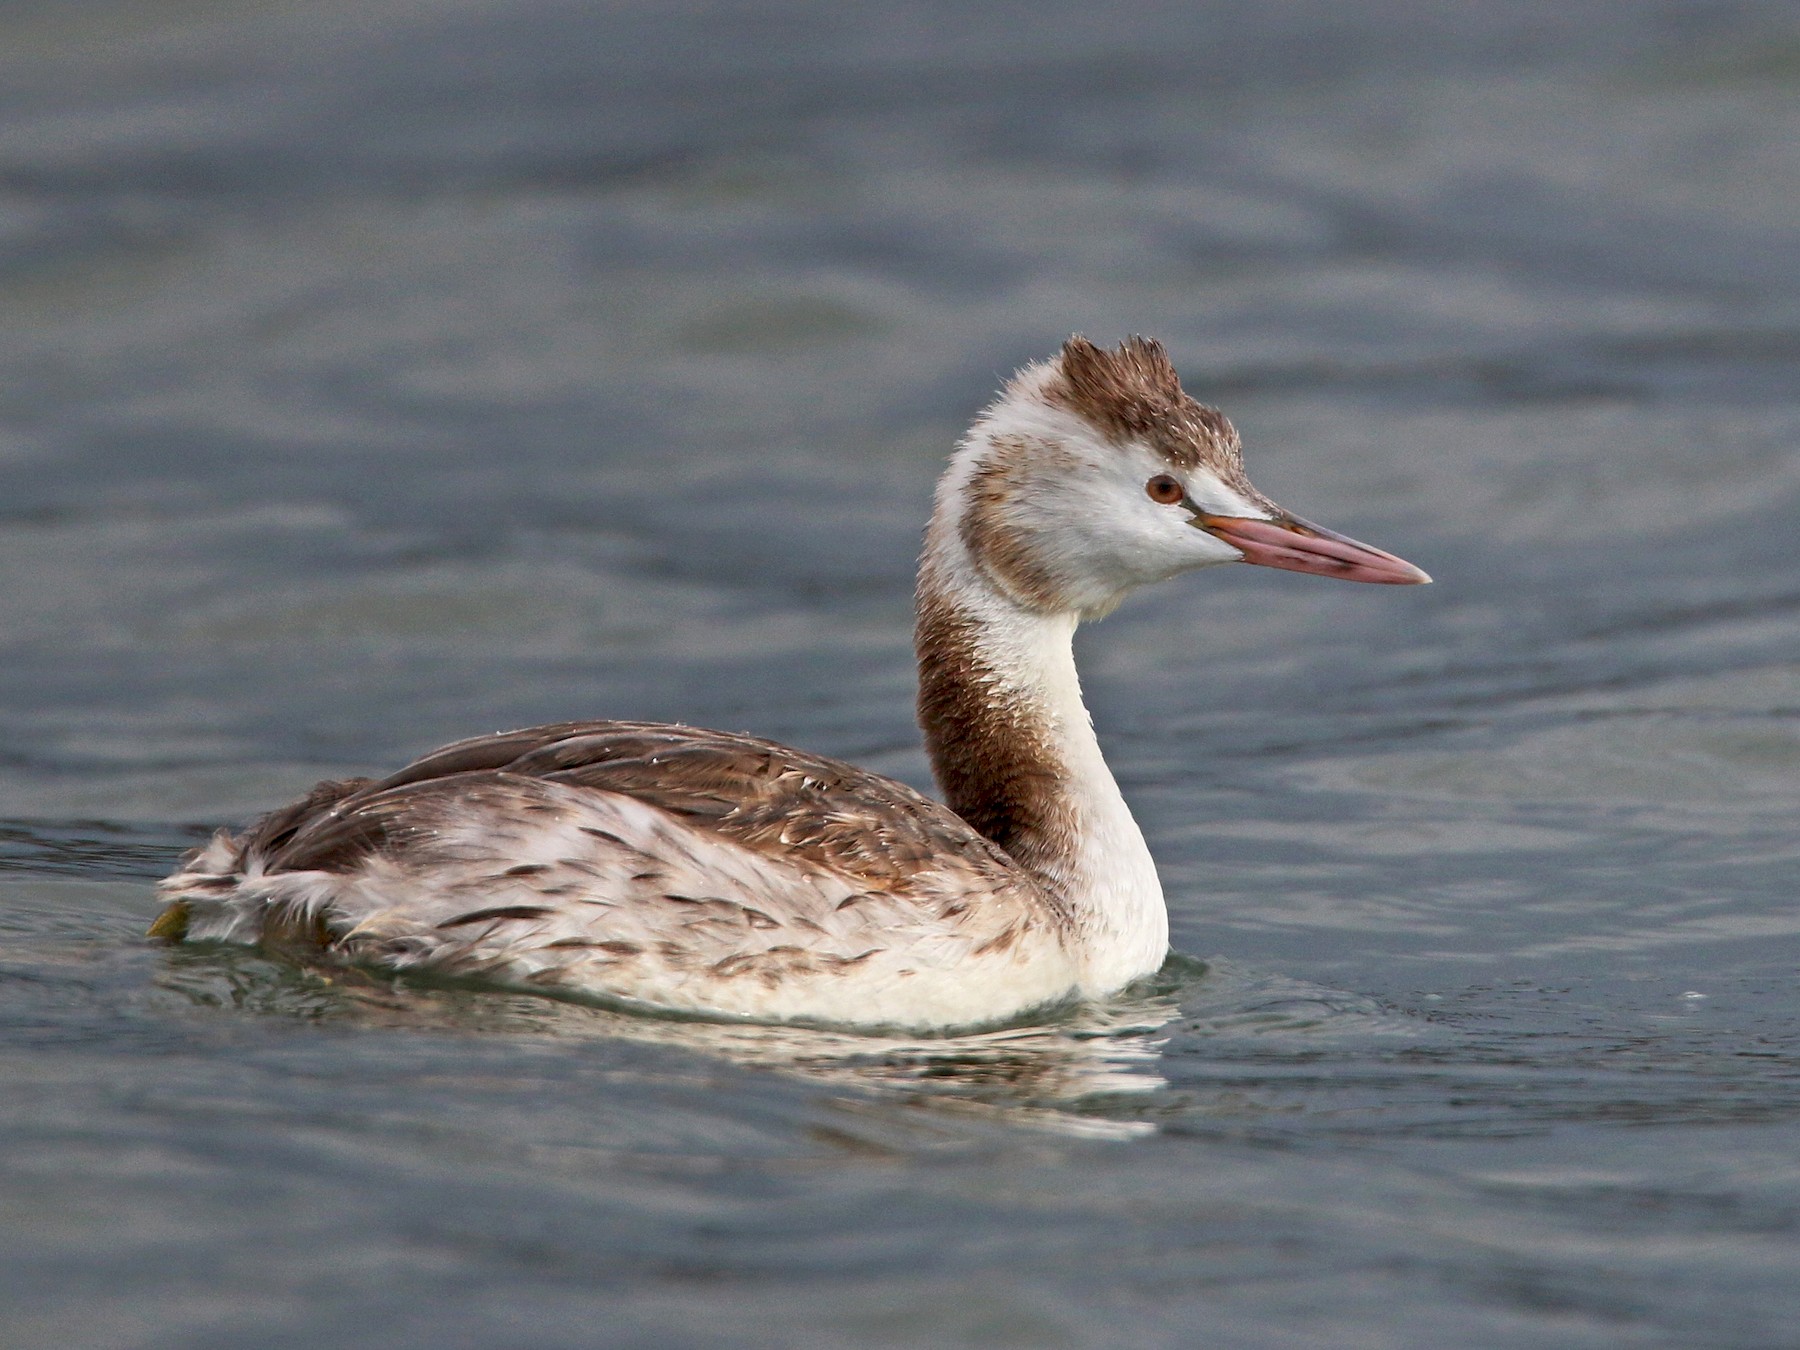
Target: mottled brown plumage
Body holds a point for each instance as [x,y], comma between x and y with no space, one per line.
[515,856]
[761,795]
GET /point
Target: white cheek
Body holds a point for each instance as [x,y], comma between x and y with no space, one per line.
[1208,551]
[1186,545]
[1166,540]
[1142,541]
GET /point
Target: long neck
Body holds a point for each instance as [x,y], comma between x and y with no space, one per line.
[1014,753]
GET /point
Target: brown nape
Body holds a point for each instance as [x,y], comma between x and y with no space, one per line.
[991,754]
[1134,394]
[998,482]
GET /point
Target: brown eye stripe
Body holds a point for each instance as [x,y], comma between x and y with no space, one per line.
[1165,489]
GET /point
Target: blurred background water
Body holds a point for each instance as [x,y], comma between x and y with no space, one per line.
[373,374]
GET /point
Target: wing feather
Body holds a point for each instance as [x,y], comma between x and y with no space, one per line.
[676,865]
[762,795]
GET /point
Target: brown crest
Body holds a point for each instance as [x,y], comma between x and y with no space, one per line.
[1134,394]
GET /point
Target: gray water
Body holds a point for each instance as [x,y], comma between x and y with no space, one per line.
[376,373]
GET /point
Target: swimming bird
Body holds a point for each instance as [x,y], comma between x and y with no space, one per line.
[672,868]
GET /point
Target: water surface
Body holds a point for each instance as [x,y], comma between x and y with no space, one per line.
[375,374]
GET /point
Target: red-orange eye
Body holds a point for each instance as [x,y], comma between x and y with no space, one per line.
[1165,489]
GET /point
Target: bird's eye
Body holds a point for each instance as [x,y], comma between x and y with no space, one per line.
[1165,489]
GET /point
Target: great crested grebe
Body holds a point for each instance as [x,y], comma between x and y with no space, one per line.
[679,869]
